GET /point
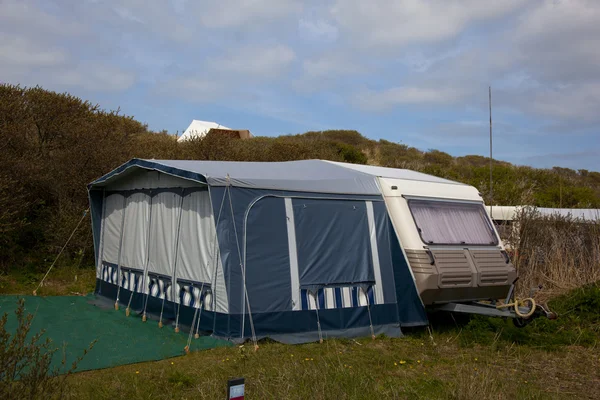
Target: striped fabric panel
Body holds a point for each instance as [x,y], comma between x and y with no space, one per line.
[195,295]
[338,297]
[159,286]
[109,273]
[132,280]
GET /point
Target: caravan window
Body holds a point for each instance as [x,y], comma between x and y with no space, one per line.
[445,222]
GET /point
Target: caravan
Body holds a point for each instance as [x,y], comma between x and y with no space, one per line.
[295,251]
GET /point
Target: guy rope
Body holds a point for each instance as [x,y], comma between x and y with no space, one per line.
[243,269]
[61,251]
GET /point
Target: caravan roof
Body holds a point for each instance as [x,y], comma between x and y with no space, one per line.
[304,175]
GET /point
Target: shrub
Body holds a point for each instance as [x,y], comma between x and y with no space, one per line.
[560,253]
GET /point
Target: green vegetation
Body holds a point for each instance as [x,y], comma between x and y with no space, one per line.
[578,325]
[53,144]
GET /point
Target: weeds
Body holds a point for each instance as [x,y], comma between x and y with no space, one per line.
[560,253]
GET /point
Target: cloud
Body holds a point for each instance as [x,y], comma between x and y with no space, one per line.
[160,20]
[95,77]
[255,61]
[331,64]
[245,13]
[382,23]
[39,49]
[558,41]
[317,29]
[196,89]
[543,63]
[18,52]
[28,17]
[572,102]
[384,100]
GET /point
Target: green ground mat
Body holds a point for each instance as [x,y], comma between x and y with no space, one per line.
[72,320]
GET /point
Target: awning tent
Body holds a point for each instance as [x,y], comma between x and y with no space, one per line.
[293,250]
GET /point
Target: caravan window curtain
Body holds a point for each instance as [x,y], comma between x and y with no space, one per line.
[445,222]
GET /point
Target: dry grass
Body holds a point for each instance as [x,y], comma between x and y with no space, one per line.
[559,253]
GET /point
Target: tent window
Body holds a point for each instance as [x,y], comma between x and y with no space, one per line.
[444,222]
[333,242]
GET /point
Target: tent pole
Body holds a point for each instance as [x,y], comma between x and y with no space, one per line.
[120,252]
[145,275]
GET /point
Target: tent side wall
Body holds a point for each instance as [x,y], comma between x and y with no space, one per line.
[311,258]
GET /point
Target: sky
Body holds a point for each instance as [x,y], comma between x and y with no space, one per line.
[415,72]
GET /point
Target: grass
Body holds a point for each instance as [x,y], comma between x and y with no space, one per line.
[64,280]
[578,325]
[411,367]
[456,358]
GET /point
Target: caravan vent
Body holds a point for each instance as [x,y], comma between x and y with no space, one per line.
[492,267]
[454,268]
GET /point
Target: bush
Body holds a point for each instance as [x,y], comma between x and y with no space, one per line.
[351,154]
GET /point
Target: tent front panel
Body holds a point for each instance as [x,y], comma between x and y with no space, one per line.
[112,225]
[198,263]
[135,231]
[166,207]
[164,228]
[140,245]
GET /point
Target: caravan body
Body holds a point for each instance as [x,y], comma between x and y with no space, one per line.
[451,244]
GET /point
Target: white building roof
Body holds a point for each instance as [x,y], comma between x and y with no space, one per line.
[199,129]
